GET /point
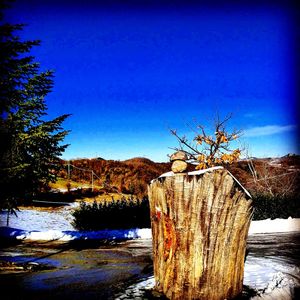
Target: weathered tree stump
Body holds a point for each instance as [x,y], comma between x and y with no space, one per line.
[199,225]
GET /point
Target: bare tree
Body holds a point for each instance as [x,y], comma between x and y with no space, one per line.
[210,150]
[271,180]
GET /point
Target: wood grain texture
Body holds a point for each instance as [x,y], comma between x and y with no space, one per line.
[199,225]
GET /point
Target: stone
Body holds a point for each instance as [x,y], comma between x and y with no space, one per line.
[179,166]
[179,155]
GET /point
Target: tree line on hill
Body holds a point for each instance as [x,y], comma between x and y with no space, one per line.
[129,177]
[259,176]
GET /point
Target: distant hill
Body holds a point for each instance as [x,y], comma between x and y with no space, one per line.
[133,175]
[130,176]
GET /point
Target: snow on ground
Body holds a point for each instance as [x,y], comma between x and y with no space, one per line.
[138,290]
[260,270]
[41,220]
[277,225]
[56,225]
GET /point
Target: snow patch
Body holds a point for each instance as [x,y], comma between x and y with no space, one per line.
[280,287]
[276,225]
[50,235]
[64,236]
[41,220]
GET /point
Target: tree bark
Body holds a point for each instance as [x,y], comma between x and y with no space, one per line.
[199,225]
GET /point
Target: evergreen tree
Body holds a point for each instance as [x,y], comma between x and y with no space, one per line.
[30,144]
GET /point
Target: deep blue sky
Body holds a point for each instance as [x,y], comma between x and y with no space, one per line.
[128,73]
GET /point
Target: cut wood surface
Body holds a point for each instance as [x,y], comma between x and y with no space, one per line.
[199,225]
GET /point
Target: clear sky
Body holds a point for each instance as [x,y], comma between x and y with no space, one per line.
[129,73]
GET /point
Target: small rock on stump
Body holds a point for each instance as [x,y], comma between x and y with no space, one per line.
[179,164]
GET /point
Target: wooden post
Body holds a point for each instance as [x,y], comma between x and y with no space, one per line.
[92,174]
[68,170]
[199,225]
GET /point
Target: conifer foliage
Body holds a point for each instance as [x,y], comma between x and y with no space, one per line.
[30,144]
[120,214]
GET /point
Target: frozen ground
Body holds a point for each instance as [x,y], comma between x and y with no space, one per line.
[271,268]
